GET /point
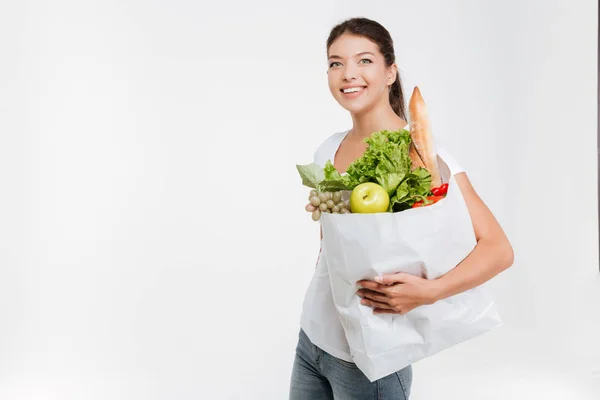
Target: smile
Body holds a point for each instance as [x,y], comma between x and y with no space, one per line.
[353,89]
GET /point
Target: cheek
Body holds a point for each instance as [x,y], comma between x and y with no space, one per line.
[332,85]
[331,89]
[375,77]
[377,82]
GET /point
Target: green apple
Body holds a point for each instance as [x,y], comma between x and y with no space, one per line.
[368,198]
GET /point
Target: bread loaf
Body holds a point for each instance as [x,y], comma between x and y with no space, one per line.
[422,149]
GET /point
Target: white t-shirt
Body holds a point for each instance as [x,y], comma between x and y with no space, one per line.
[319,318]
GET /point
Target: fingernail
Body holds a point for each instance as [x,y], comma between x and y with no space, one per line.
[379,279]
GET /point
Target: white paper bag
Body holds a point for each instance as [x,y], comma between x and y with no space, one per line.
[426,242]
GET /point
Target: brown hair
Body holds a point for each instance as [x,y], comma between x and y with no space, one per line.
[375,32]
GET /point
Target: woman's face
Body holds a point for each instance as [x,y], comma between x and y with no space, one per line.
[356,63]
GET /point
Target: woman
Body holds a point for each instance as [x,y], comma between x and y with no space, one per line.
[364,79]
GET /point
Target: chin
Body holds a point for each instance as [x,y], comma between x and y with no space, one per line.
[356,108]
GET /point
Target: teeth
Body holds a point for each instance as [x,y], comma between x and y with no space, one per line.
[352,90]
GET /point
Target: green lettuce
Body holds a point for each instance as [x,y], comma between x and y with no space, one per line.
[415,187]
[333,181]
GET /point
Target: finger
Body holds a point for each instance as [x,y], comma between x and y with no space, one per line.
[310,208]
[375,304]
[373,286]
[372,295]
[400,277]
[387,311]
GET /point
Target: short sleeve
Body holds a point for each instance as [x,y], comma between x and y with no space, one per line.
[326,149]
[453,165]
[318,156]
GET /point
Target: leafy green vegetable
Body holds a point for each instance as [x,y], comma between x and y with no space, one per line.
[414,187]
[333,181]
[311,174]
[386,161]
[326,179]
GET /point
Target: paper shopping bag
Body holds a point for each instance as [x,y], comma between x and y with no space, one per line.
[427,242]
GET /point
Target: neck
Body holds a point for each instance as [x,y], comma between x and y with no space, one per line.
[374,120]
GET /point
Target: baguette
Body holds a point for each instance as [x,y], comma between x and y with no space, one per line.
[422,149]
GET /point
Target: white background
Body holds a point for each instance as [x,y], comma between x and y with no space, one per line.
[153,243]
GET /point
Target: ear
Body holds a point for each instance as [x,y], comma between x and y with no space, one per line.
[393,73]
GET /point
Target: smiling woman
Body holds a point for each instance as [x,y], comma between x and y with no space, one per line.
[363,78]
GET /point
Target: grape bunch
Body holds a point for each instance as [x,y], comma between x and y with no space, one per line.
[326,202]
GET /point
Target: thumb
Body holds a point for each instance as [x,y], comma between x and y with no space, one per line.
[399,277]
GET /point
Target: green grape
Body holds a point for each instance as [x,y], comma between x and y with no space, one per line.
[316,215]
[315,201]
[337,197]
[323,197]
[335,209]
[310,207]
[314,193]
[345,211]
[330,203]
[342,204]
[323,206]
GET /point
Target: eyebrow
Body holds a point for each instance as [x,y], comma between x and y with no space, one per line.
[359,54]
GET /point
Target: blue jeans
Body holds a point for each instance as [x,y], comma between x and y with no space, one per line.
[317,375]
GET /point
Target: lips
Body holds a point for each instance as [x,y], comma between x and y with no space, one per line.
[355,89]
[354,94]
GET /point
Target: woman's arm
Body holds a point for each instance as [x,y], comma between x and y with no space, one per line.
[492,254]
[401,292]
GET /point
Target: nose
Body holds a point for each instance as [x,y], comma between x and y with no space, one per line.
[349,72]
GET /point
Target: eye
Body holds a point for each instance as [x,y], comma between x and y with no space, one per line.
[331,65]
[366,59]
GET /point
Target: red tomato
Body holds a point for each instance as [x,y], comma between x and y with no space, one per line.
[443,189]
[432,200]
[417,204]
[435,199]
[440,190]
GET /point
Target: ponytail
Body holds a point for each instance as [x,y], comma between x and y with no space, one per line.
[397,97]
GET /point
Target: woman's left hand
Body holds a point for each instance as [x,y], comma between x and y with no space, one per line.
[397,293]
